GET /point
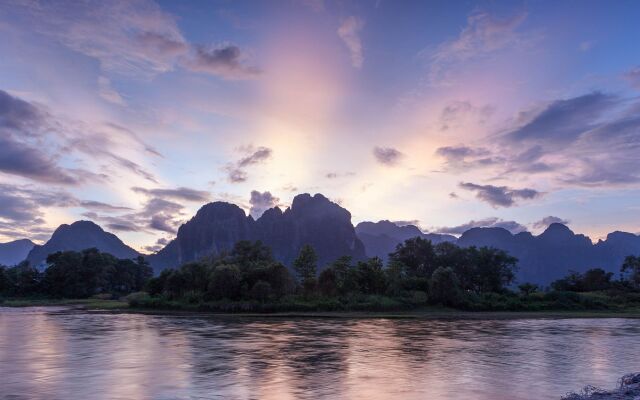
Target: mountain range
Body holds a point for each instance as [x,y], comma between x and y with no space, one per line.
[326,226]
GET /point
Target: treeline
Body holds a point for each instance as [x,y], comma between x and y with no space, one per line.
[418,273]
[76,275]
[248,278]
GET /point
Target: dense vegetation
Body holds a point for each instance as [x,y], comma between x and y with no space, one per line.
[76,275]
[249,279]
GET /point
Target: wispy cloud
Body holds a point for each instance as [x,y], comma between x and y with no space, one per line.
[130,38]
[236,171]
[349,32]
[484,35]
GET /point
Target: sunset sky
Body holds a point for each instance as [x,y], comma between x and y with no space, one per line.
[133,114]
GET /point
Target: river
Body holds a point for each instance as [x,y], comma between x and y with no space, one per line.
[64,353]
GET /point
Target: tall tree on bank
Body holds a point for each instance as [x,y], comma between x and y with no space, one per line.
[306,267]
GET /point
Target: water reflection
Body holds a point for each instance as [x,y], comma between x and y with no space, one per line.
[66,354]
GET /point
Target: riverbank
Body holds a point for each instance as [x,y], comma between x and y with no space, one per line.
[427,312]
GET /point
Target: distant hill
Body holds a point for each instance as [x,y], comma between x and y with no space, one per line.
[313,220]
[381,238]
[79,236]
[12,253]
[550,255]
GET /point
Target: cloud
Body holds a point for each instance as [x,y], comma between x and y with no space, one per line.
[456,113]
[227,61]
[108,93]
[134,38]
[261,202]
[129,38]
[500,196]
[259,155]
[22,209]
[463,157]
[336,175]
[349,32]
[387,155]
[160,243]
[546,221]
[19,115]
[156,215]
[492,222]
[180,193]
[413,222]
[484,35]
[236,172]
[563,121]
[45,140]
[20,159]
[633,77]
[100,206]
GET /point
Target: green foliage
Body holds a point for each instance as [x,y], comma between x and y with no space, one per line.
[417,257]
[75,275]
[306,264]
[527,288]
[370,276]
[631,271]
[444,287]
[225,282]
[594,279]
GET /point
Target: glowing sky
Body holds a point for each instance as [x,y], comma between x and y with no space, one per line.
[452,114]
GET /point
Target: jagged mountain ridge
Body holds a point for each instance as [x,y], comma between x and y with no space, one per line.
[327,227]
[541,259]
[313,220]
[12,253]
[381,238]
[78,236]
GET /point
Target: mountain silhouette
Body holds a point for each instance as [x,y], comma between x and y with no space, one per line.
[313,220]
[381,238]
[12,253]
[326,226]
[78,236]
[552,254]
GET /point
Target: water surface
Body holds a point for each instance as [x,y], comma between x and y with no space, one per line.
[62,353]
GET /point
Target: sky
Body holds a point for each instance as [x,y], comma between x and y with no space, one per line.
[444,114]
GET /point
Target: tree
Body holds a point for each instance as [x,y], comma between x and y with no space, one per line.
[631,269]
[417,256]
[306,265]
[248,255]
[444,287]
[596,279]
[328,282]
[261,291]
[225,282]
[371,276]
[527,288]
[459,259]
[494,269]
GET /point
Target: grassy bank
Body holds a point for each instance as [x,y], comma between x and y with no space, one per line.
[93,304]
[426,312]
